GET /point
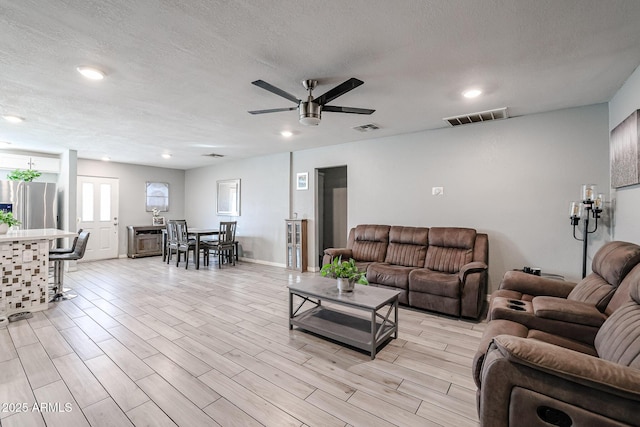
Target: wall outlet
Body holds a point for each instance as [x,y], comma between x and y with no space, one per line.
[437,191]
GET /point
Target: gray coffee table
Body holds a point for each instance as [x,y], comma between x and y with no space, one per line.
[366,332]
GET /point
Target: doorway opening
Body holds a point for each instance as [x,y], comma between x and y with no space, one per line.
[332,209]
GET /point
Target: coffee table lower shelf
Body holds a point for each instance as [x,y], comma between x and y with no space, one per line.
[345,328]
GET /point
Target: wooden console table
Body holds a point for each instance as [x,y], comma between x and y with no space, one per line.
[144,240]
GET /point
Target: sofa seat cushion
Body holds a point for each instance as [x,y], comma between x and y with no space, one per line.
[396,276]
[567,311]
[562,342]
[434,283]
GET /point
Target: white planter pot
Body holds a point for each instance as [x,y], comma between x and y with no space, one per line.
[344,285]
[4,228]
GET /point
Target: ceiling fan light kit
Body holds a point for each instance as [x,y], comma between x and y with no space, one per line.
[310,110]
[309,113]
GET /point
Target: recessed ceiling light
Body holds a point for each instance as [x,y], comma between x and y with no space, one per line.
[106,159]
[13,119]
[472,93]
[166,156]
[91,73]
[286,133]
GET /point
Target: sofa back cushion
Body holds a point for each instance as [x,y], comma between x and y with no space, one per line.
[618,339]
[370,242]
[407,246]
[449,248]
[622,294]
[611,264]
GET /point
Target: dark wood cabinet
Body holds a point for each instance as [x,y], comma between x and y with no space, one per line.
[144,240]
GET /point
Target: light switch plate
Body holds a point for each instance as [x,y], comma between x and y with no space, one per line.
[437,191]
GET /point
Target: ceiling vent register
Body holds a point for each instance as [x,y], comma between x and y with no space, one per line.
[213,155]
[367,128]
[482,116]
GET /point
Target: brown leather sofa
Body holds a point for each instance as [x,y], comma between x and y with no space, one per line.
[442,269]
[563,308]
[530,382]
[572,320]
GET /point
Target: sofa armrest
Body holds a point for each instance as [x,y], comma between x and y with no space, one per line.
[526,379]
[576,367]
[535,285]
[567,311]
[337,252]
[472,267]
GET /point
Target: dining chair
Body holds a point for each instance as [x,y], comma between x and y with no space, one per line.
[225,245]
[185,244]
[172,239]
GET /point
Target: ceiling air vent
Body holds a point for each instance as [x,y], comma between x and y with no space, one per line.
[213,155]
[482,116]
[367,128]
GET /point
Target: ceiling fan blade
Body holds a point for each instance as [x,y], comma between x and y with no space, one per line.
[272,110]
[353,110]
[271,88]
[337,91]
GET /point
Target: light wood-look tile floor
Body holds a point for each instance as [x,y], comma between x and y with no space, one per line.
[151,344]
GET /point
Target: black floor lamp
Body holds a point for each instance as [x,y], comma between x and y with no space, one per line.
[590,207]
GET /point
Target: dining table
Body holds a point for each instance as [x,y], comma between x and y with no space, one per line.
[197,234]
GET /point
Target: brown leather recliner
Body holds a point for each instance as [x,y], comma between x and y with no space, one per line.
[572,310]
[528,382]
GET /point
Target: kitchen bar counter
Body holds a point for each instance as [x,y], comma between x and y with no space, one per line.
[44,233]
[24,271]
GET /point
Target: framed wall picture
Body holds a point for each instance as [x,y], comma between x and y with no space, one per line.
[228,197]
[302,181]
[157,196]
[625,151]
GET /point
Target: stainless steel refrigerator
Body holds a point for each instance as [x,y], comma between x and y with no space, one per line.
[34,204]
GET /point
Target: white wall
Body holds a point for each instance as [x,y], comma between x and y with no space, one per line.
[627,199]
[132,180]
[513,179]
[264,203]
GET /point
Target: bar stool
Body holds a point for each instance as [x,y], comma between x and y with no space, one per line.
[65,251]
[59,256]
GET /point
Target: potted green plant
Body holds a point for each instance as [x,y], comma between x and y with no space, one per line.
[346,273]
[26,175]
[7,220]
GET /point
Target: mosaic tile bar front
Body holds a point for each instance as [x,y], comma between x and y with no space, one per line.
[25,271]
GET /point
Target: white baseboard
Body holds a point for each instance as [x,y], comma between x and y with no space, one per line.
[258,261]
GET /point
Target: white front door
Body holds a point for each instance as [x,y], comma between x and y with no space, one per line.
[98,214]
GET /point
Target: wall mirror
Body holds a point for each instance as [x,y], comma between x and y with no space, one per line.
[228,197]
[157,196]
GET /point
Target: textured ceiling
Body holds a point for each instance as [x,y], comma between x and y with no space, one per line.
[179,72]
